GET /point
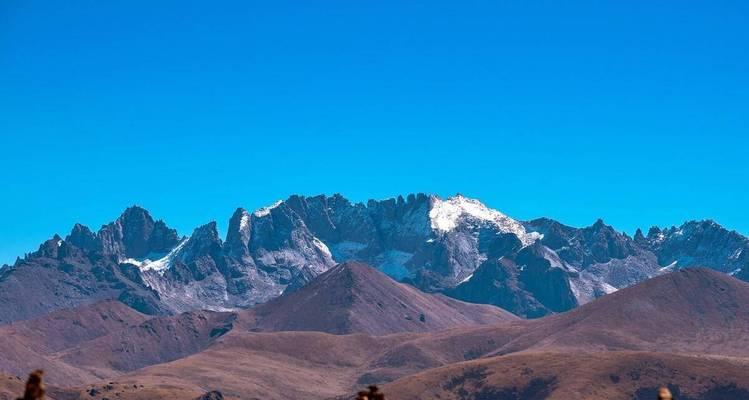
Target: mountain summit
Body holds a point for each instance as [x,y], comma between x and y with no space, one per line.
[355,298]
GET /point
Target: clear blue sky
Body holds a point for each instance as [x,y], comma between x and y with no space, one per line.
[634,111]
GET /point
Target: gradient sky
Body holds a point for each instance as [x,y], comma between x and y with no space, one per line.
[634,111]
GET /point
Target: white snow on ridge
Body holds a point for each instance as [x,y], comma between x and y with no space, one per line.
[607,288]
[160,265]
[266,210]
[466,279]
[446,214]
[669,267]
[322,247]
[244,222]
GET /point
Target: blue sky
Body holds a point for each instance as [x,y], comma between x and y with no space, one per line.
[632,111]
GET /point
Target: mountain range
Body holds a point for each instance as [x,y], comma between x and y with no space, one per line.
[457,247]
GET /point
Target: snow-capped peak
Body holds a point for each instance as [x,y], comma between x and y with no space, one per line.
[446,214]
[266,210]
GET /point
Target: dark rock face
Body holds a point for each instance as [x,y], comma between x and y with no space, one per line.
[456,245]
[525,282]
[549,285]
[238,235]
[136,235]
[201,256]
[598,243]
[82,238]
[495,282]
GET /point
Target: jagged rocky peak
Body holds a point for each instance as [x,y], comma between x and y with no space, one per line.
[50,247]
[654,232]
[82,237]
[136,235]
[205,235]
[265,211]
[700,243]
[136,224]
[606,243]
[197,257]
[331,219]
[597,243]
[554,234]
[238,234]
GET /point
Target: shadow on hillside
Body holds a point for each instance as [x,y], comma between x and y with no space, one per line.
[718,392]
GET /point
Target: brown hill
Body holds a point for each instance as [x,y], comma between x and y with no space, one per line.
[66,328]
[31,344]
[355,298]
[689,311]
[154,341]
[563,376]
[103,340]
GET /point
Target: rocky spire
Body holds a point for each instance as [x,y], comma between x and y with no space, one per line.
[238,234]
[82,237]
[135,234]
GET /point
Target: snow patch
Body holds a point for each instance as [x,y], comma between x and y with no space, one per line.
[607,288]
[445,216]
[244,222]
[322,247]
[160,265]
[660,237]
[466,279]
[669,267]
[266,210]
